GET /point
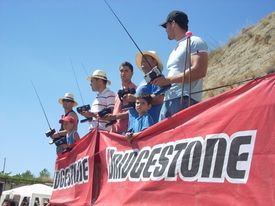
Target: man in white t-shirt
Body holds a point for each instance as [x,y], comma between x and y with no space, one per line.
[176,26]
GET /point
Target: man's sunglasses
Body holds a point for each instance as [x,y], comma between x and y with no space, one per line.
[67,100]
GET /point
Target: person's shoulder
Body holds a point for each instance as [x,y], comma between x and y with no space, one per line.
[148,118]
[72,113]
[147,115]
[132,85]
[110,92]
[198,44]
[75,132]
[197,39]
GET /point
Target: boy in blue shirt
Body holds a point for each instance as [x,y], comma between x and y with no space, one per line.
[72,136]
[144,119]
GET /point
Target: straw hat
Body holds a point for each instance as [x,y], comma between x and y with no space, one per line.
[68,96]
[150,53]
[99,75]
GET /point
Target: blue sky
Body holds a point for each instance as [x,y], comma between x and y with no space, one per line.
[38,38]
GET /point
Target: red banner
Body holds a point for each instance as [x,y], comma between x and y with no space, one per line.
[218,152]
[74,172]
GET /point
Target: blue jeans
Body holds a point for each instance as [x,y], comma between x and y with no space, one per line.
[172,106]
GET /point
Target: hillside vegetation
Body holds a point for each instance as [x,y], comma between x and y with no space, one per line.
[249,55]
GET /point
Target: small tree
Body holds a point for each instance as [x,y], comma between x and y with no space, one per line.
[28,174]
[44,174]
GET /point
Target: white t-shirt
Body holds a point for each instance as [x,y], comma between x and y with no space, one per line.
[176,64]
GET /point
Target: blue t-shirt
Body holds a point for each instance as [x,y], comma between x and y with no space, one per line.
[70,137]
[153,111]
[141,123]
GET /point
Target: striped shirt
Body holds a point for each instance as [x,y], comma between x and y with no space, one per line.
[103,100]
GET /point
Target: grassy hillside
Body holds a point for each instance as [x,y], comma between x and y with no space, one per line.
[248,55]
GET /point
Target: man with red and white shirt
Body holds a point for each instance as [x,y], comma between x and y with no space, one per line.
[126,72]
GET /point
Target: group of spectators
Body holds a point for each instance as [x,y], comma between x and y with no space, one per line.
[149,103]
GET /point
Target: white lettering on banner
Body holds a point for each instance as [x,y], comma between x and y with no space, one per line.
[75,173]
[213,159]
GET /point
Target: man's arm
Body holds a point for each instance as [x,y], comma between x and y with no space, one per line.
[88,114]
[111,117]
[157,99]
[74,115]
[59,134]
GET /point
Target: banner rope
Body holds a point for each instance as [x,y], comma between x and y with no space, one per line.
[228,85]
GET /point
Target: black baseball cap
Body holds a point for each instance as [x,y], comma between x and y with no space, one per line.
[177,16]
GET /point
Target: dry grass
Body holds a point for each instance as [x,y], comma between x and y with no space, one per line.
[248,55]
